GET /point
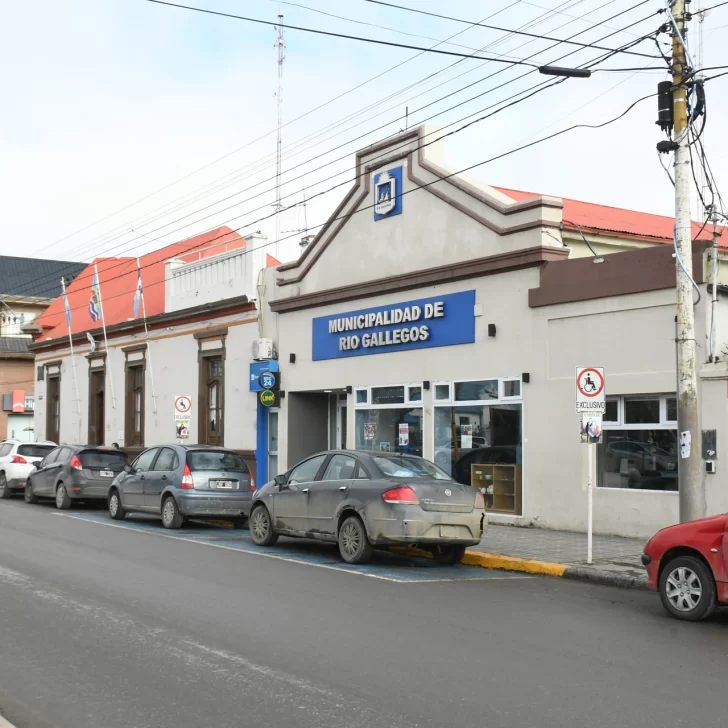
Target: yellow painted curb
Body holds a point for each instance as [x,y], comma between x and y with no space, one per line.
[512,563]
[498,561]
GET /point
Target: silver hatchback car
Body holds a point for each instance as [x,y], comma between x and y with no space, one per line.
[184,481]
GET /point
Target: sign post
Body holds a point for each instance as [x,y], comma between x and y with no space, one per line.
[591,406]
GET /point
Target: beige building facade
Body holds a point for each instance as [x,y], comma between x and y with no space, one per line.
[437,317]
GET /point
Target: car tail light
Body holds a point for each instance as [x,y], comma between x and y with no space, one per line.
[19,460]
[187,481]
[479,500]
[403,495]
[252,483]
[76,463]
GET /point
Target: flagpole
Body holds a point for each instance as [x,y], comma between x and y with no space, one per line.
[73,358]
[140,290]
[109,367]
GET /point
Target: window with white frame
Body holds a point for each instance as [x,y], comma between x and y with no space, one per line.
[478,429]
[639,450]
[388,418]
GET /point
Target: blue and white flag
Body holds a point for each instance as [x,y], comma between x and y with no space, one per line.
[92,342]
[65,304]
[94,304]
[139,291]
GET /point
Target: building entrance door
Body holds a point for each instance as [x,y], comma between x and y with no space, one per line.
[341,424]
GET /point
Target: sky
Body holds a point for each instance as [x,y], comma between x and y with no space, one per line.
[129,125]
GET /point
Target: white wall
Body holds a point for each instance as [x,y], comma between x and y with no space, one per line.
[172,358]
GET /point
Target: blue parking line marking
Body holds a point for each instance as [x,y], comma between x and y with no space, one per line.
[384,565]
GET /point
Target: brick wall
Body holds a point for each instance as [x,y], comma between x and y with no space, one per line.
[14,374]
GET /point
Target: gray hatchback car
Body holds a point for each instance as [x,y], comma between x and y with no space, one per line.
[74,473]
[184,481]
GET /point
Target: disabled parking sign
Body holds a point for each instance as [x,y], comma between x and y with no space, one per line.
[590,390]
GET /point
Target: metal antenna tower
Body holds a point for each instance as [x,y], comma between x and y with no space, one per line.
[280,44]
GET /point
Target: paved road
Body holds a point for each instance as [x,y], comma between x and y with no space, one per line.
[107,627]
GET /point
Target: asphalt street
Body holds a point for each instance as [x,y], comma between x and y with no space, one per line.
[104,626]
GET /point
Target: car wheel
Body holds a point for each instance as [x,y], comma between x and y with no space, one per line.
[171,517]
[261,527]
[5,491]
[448,555]
[354,545]
[62,500]
[687,589]
[28,495]
[116,510]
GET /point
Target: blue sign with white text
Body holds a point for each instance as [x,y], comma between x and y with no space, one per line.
[257,368]
[422,324]
[388,193]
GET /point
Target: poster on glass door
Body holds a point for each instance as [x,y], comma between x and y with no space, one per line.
[403,434]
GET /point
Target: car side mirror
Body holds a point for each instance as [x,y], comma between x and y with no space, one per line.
[128,469]
[281,481]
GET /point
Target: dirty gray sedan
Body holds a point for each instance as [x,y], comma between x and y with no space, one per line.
[364,501]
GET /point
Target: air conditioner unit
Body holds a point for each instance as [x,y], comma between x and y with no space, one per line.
[262,349]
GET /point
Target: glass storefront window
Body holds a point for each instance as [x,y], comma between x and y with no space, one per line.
[415,394]
[671,411]
[476,434]
[442,392]
[361,396]
[388,395]
[641,411]
[389,429]
[476,391]
[480,445]
[512,388]
[641,459]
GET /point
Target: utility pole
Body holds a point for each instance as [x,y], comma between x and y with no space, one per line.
[692,488]
[280,44]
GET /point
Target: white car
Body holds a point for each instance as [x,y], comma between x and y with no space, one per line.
[17,461]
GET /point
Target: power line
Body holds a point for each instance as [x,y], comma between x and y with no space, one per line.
[255,141]
[452,174]
[530,23]
[543,84]
[495,27]
[361,39]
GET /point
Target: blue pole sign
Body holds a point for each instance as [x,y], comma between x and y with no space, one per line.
[257,368]
[422,324]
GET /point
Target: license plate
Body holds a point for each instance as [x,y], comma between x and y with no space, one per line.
[106,473]
[449,531]
[223,484]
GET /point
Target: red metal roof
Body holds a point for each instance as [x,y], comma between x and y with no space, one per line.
[118,283]
[618,222]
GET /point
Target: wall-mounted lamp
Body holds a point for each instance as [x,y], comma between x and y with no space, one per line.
[349,389]
[491,329]
[425,385]
[292,358]
[525,377]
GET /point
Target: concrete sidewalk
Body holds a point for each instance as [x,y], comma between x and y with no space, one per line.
[561,553]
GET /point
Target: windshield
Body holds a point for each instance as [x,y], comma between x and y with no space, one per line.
[35,451]
[100,459]
[216,460]
[394,466]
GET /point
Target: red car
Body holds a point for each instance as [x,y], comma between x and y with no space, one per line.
[686,563]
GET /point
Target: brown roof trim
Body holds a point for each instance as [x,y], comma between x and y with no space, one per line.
[490,265]
[134,347]
[17,355]
[632,271]
[318,245]
[239,304]
[500,230]
[504,208]
[211,333]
